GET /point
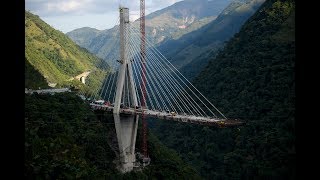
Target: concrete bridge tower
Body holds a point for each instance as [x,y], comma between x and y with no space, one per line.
[126,126]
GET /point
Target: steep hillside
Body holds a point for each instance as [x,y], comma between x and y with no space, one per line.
[171,22]
[190,52]
[251,79]
[182,15]
[33,79]
[55,56]
[64,139]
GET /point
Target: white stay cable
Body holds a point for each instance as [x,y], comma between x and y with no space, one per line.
[155,82]
[169,73]
[192,86]
[139,69]
[174,71]
[154,85]
[174,86]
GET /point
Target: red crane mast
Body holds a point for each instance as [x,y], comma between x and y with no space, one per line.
[143,63]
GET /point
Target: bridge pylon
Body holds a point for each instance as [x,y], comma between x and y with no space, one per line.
[126,125]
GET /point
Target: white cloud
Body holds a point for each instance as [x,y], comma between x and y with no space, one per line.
[57,7]
[70,7]
[66,15]
[64,6]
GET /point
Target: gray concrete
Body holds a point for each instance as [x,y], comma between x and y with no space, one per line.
[123,58]
[126,129]
[132,86]
[126,126]
[187,118]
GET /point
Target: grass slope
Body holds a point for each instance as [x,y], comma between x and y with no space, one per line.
[55,56]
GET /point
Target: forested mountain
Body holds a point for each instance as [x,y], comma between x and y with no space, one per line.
[83,36]
[64,139]
[169,23]
[251,79]
[190,52]
[51,54]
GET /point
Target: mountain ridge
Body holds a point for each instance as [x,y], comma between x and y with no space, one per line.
[160,26]
[55,56]
[189,52]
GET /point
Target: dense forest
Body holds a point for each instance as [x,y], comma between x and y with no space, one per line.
[64,139]
[251,79]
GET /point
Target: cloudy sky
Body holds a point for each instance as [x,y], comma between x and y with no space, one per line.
[67,15]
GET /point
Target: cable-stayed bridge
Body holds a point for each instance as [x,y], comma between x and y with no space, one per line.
[144,83]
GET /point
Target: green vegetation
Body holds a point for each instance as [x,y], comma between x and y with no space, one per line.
[33,79]
[64,139]
[193,27]
[251,79]
[55,56]
[190,53]
[165,162]
[83,35]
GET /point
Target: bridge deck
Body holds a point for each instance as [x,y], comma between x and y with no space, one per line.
[169,116]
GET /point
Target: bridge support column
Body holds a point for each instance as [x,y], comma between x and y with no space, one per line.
[126,126]
[126,129]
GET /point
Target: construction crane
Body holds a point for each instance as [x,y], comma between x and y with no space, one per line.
[146,159]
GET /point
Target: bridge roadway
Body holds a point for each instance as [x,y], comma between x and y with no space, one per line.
[169,116]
